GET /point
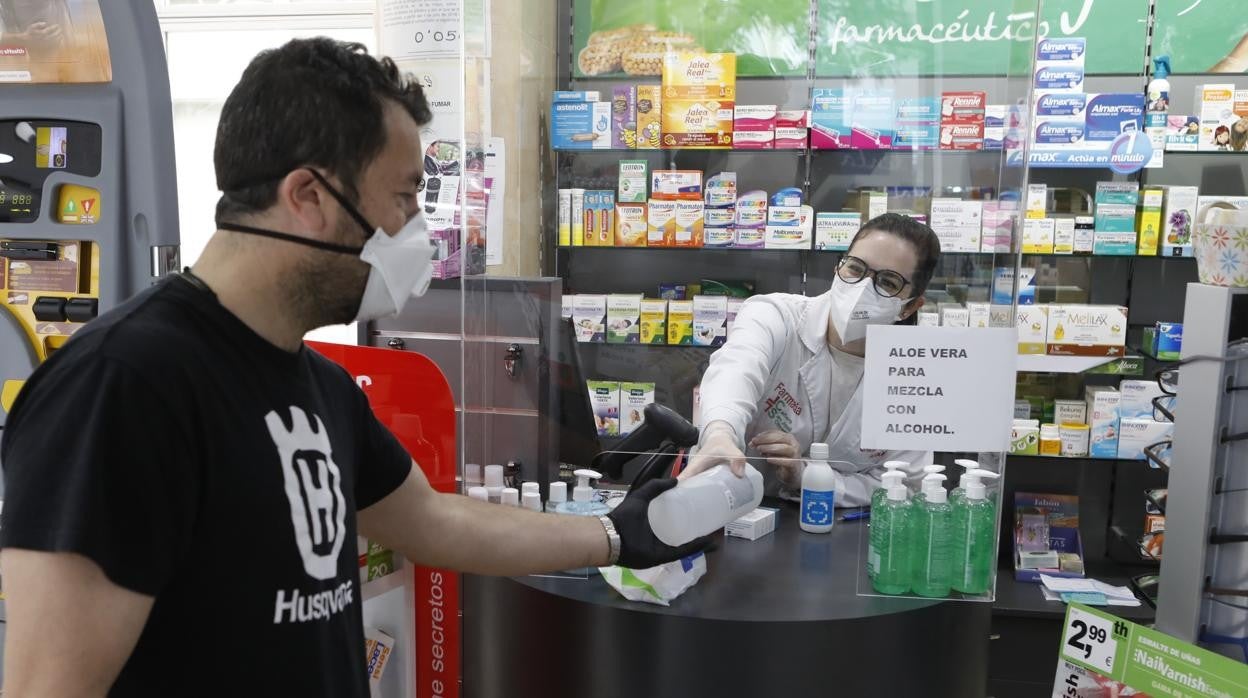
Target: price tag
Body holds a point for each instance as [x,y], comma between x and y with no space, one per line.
[1089,639]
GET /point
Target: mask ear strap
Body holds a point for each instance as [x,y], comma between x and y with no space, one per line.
[346,205]
[318,244]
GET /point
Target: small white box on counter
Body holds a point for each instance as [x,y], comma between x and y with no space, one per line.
[754,525]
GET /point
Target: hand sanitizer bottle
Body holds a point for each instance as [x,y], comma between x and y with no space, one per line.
[582,503]
[704,504]
[931,542]
[881,492]
[974,539]
[890,538]
[959,492]
[818,492]
[927,470]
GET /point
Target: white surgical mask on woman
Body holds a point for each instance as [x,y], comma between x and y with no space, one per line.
[855,306]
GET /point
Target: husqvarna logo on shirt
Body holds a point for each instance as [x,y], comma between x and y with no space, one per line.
[313,486]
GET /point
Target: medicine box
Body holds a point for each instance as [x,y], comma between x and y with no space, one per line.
[1110,114]
[676,185]
[979,315]
[565,217]
[1137,398]
[1085,234]
[689,220]
[1134,435]
[998,230]
[1038,235]
[1149,221]
[630,225]
[723,237]
[699,96]
[623,319]
[829,118]
[649,117]
[792,118]
[754,140]
[653,321]
[661,223]
[873,120]
[604,397]
[1118,193]
[1025,438]
[1003,286]
[1033,323]
[633,180]
[1114,243]
[754,525]
[795,236]
[1087,330]
[1103,405]
[589,315]
[624,117]
[599,218]
[1061,105]
[996,117]
[958,224]
[1070,412]
[576,203]
[1064,235]
[1115,218]
[734,307]
[1216,108]
[576,96]
[710,320]
[754,117]
[1177,221]
[918,124]
[680,322]
[634,397]
[962,136]
[962,107]
[835,230]
[580,125]
[566,303]
[1058,77]
[1063,50]
[721,190]
[1169,337]
[1037,200]
[955,317]
[790,138]
[928,318]
[720,217]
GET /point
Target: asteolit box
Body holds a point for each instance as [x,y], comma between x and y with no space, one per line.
[580,125]
[1103,420]
[1087,330]
[623,319]
[710,320]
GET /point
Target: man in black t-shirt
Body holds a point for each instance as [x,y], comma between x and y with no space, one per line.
[185,479]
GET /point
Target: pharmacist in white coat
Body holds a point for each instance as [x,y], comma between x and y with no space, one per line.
[791,373]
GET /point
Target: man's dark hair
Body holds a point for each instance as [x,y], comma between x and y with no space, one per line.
[926,244]
[312,102]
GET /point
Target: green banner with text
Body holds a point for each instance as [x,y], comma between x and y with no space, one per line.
[1103,652]
[901,38]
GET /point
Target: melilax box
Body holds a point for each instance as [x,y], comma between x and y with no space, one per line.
[623,319]
[836,229]
[1087,330]
[589,315]
[710,320]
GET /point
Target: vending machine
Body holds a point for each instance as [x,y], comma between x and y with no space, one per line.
[88,195]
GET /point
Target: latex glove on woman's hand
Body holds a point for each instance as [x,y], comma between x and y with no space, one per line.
[639,548]
[783,453]
[718,447]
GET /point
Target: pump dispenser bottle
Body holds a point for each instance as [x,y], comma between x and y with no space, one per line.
[931,541]
[923,487]
[959,492]
[889,559]
[974,526]
[818,492]
[881,492]
[582,503]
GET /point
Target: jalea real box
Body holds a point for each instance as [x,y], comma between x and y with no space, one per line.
[699,97]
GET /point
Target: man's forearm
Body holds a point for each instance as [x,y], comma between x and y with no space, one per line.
[498,540]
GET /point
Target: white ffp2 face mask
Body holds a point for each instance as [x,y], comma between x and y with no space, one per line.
[401,267]
[855,306]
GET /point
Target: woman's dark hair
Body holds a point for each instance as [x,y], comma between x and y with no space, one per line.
[926,244]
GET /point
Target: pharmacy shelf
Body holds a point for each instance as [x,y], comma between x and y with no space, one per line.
[1072,458]
[642,152]
[1043,363]
[614,248]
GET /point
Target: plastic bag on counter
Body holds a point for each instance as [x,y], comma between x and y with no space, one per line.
[658,585]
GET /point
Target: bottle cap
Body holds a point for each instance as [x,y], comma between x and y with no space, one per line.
[966,463]
[531,500]
[583,492]
[819,451]
[937,495]
[933,468]
[479,493]
[511,497]
[526,487]
[558,492]
[493,476]
[895,464]
[976,490]
[897,493]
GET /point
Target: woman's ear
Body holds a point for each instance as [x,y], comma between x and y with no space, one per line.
[911,308]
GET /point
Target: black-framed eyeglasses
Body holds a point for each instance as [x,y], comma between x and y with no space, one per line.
[888,283]
[1158,454]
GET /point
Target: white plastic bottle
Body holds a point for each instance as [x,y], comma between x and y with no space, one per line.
[704,504]
[960,491]
[479,492]
[880,493]
[818,492]
[558,495]
[531,501]
[494,483]
[510,497]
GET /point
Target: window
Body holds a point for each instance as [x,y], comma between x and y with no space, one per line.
[208,43]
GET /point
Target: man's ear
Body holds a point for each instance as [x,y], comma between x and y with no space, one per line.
[912,307]
[301,197]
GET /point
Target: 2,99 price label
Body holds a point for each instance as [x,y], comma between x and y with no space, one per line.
[1089,640]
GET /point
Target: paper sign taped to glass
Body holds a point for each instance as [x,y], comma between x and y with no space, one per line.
[53,41]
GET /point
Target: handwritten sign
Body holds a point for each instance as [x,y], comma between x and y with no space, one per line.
[938,388]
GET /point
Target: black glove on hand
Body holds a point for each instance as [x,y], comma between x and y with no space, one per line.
[639,547]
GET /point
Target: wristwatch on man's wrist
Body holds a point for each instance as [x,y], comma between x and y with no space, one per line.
[613,539]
